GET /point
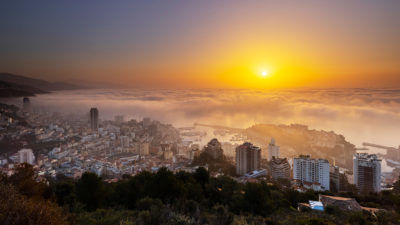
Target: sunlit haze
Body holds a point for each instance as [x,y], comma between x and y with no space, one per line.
[204,44]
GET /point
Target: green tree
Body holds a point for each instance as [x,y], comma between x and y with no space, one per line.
[357,218]
[26,181]
[256,199]
[314,221]
[65,194]
[222,216]
[90,191]
[105,217]
[165,186]
[202,176]
[16,208]
[148,203]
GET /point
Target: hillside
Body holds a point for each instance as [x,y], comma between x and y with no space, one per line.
[179,198]
[298,139]
[37,83]
[8,89]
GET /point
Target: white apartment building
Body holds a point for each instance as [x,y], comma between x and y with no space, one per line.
[306,169]
[26,156]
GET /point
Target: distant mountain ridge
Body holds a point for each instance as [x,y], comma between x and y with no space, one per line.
[37,83]
[8,89]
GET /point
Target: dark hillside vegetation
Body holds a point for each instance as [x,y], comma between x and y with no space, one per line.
[167,198]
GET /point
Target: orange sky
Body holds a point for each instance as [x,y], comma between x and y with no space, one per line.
[224,44]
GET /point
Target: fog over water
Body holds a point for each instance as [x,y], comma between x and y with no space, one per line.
[370,115]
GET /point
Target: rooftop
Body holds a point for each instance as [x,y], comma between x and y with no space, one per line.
[366,156]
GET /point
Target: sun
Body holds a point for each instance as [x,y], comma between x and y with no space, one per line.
[264,73]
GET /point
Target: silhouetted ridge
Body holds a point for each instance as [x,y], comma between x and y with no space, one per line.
[8,89]
[37,83]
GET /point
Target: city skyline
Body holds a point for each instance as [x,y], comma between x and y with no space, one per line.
[200,112]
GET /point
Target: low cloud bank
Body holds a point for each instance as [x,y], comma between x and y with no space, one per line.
[371,115]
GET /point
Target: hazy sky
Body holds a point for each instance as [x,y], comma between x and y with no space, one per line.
[204,43]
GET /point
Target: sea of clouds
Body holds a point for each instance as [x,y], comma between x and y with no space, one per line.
[361,115]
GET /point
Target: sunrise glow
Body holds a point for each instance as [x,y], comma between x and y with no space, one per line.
[264,73]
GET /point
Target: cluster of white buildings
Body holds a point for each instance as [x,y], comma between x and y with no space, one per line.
[307,172]
[106,148]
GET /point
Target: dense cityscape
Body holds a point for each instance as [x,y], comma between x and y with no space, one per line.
[225,112]
[111,149]
[60,147]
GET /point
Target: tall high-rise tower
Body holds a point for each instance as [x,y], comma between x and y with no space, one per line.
[94,119]
[367,172]
[26,104]
[248,158]
[273,150]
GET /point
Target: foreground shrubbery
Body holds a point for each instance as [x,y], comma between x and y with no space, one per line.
[167,198]
[24,200]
